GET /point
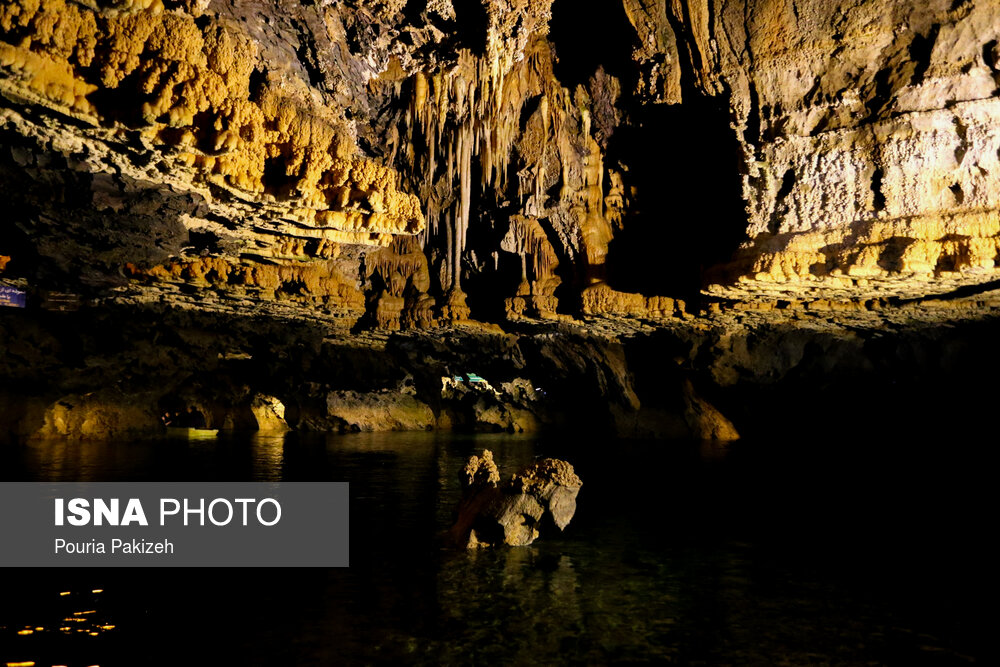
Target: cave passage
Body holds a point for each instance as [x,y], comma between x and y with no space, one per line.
[589,34]
[689,210]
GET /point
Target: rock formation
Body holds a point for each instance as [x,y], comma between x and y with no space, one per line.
[269,413]
[513,512]
[306,182]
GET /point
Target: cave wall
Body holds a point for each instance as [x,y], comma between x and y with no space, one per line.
[746,151]
[606,172]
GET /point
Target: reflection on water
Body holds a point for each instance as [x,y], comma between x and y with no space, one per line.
[268,452]
[70,619]
[746,555]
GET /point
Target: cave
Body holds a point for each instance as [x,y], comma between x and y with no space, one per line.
[558,332]
[689,215]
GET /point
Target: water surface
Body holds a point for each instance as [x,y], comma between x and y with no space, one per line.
[834,552]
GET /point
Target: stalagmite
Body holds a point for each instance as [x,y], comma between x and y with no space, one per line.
[536,293]
[515,512]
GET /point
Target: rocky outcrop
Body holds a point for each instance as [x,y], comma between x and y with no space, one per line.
[514,512]
[219,152]
[868,135]
[447,186]
[269,413]
[205,111]
[516,407]
[197,147]
[104,414]
[377,411]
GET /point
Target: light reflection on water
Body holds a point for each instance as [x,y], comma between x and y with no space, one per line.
[268,452]
[677,553]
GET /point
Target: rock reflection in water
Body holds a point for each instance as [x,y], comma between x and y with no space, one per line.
[268,453]
[517,605]
[677,554]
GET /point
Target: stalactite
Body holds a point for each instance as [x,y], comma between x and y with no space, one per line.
[472,112]
[535,295]
[464,202]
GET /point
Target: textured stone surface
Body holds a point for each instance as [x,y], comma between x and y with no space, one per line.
[385,411]
[512,513]
[269,413]
[860,138]
[869,133]
[482,180]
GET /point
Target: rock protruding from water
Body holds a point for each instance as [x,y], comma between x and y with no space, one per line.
[514,512]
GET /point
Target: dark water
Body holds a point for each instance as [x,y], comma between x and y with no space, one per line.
[807,553]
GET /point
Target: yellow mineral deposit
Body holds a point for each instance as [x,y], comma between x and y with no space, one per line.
[536,293]
[318,282]
[402,272]
[187,86]
[473,112]
[897,257]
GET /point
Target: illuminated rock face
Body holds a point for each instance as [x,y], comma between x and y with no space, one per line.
[513,512]
[617,169]
[189,101]
[870,141]
[863,140]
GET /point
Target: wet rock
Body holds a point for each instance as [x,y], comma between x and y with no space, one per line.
[98,415]
[513,512]
[269,413]
[386,410]
[515,407]
[703,419]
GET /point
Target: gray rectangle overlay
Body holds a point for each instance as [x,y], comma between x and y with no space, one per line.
[313,530]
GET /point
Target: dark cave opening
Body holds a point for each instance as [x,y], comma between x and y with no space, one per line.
[486,281]
[471,24]
[689,212]
[203,242]
[277,181]
[488,289]
[575,27]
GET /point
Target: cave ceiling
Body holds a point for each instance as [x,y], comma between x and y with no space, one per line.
[419,163]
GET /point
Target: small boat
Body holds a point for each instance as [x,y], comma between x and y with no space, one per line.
[192,433]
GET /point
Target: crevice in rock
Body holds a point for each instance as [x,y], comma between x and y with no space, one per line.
[882,94]
[920,51]
[957,192]
[203,242]
[679,234]
[963,142]
[575,27]
[787,183]
[891,258]
[878,197]
[258,84]
[960,293]
[990,54]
